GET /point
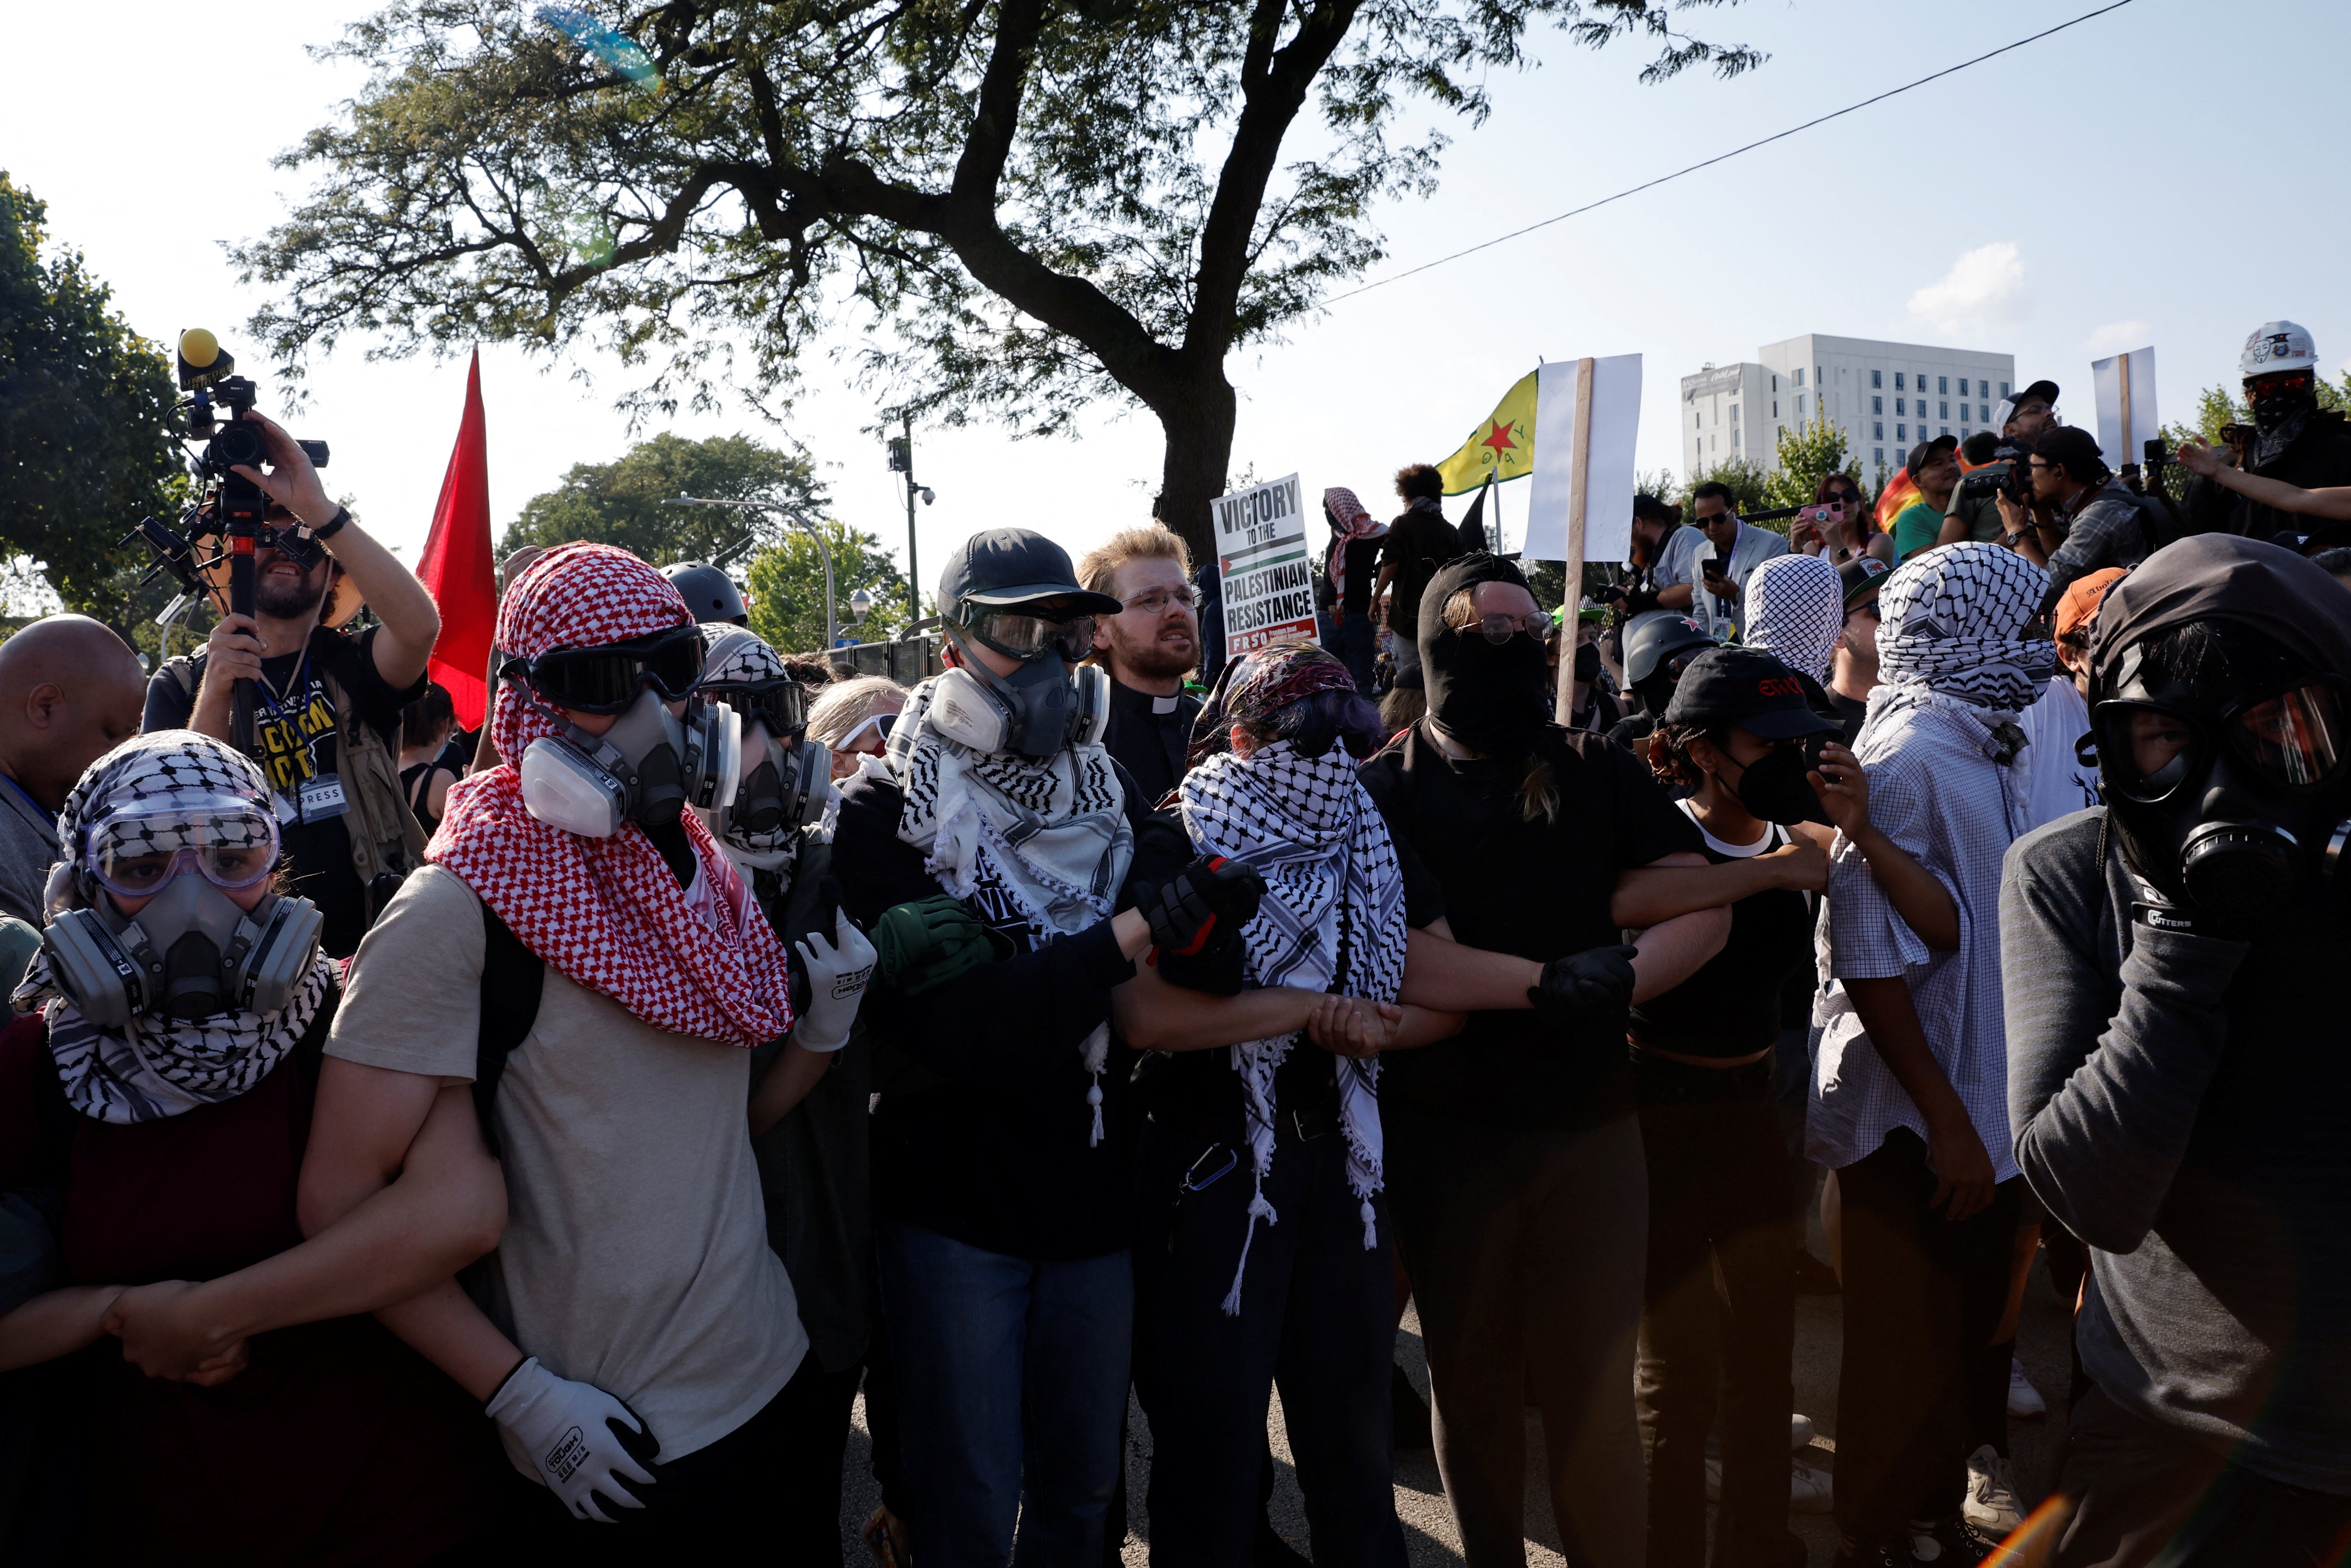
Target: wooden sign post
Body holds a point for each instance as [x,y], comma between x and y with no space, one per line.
[1576,500]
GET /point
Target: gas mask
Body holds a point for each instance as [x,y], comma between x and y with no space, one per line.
[783,787]
[190,954]
[1038,711]
[2229,804]
[647,768]
[1774,789]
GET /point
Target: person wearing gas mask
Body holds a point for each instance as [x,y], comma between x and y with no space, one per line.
[637,1342]
[2176,1081]
[2293,440]
[258,1416]
[1513,1164]
[326,704]
[1704,1059]
[1659,647]
[1908,1105]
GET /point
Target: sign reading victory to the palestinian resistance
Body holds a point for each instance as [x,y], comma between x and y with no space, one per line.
[1264,565]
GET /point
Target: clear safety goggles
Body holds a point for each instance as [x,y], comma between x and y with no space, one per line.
[1028,638]
[2297,739]
[230,840]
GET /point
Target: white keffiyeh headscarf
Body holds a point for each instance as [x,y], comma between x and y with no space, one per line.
[157,1067]
[1795,612]
[1332,919]
[1046,843]
[1950,635]
[737,656]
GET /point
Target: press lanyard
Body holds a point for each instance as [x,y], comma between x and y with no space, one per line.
[302,682]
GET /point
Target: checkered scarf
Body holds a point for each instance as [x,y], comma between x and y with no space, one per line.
[1334,895]
[1948,634]
[607,913]
[738,657]
[1349,522]
[158,1067]
[1795,610]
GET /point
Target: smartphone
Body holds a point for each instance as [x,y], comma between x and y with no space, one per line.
[1719,566]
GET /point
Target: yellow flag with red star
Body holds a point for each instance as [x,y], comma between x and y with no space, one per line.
[1503,444]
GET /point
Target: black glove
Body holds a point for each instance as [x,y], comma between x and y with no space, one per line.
[1184,912]
[1590,986]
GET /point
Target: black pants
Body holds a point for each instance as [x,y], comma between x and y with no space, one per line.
[2145,1494]
[1923,1296]
[762,1489]
[1718,1199]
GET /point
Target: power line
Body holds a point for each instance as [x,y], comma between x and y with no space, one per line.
[1721,156]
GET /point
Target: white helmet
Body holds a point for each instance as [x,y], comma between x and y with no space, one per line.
[2275,347]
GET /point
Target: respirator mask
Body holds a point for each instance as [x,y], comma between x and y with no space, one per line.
[784,778]
[190,953]
[2231,803]
[1041,709]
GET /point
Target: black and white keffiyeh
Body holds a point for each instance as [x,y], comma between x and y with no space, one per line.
[159,1066]
[734,655]
[1950,635]
[1795,610]
[1332,919]
[1046,843]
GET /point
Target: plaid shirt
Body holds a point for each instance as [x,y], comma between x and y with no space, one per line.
[1934,791]
[2104,532]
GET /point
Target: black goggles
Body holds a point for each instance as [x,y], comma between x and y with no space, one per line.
[2297,739]
[779,702]
[607,678]
[1029,638]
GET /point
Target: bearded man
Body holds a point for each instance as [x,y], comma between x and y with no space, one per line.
[1148,648]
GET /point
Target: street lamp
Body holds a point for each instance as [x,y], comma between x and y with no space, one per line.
[861,605]
[902,461]
[832,613]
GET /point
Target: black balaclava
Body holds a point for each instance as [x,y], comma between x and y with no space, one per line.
[2227,842]
[1493,698]
[2278,417]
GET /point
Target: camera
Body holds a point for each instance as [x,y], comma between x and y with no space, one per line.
[206,373]
[2006,475]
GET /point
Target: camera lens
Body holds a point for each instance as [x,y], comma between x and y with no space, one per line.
[238,443]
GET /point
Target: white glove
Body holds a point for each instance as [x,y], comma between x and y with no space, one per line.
[837,973]
[582,1444]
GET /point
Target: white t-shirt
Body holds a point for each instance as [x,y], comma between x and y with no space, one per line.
[1775,835]
[635,1255]
[2055,783]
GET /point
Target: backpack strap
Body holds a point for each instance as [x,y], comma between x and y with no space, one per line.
[512,978]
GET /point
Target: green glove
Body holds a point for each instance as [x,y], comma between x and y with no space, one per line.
[921,946]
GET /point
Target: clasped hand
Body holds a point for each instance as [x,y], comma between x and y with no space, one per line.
[164,1334]
[1355,1026]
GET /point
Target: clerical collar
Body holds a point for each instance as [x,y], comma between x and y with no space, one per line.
[1166,704]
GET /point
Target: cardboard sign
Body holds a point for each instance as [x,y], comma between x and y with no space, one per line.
[1263,562]
[2125,397]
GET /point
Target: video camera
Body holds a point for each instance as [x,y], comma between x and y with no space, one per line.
[226,499]
[2007,474]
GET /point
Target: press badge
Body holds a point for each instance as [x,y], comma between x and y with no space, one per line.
[322,798]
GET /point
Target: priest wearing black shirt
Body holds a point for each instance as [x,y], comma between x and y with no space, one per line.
[1149,648]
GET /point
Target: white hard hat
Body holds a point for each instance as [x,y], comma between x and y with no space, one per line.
[2277,346]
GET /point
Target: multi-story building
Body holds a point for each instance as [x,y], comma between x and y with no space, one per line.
[1885,397]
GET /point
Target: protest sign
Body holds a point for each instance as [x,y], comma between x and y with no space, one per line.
[1587,415]
[1263,563]
[2125,398]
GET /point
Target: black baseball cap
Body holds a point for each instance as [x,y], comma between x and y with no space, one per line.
[1926,449]
[1751,689]
[2045,391]
[999,567]
[2070,446]
[1863,576]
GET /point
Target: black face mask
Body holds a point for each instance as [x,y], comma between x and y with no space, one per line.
[1774,789]
[1587,663]
[2275,410]
[1493,698]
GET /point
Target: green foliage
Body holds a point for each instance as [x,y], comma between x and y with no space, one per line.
[1663,483]
[1743,476]
[622,502]
[788,588]
[1807,454]
[87,424]
[2215,407]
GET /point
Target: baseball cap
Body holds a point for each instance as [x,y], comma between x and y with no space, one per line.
[1926,449]
[2080,602]
[2070,446]
[1751,689]
[1001,567]
[2005,410]
[1861,578]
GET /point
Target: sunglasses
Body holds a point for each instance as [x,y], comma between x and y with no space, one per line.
[607,679]
[779,702]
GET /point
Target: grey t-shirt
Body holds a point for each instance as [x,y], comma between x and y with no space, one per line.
[28,848]
[635,1255]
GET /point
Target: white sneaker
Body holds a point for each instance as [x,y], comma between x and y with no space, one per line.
[1799,1432]
[2023,1399]
[1810,1490]
[1991,1506]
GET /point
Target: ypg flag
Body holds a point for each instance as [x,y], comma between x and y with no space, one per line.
[1502,447]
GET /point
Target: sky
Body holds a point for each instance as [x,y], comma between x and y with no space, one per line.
[2156,175]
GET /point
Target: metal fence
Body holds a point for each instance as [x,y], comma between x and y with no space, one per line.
[906,661]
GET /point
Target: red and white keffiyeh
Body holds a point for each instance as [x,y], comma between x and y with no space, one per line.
[1349,522]
[607,913]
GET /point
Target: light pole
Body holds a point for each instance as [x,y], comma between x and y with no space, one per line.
[902,461]
[831,614]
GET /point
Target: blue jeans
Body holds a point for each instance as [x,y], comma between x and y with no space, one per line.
[1011,1385]
[1357,645]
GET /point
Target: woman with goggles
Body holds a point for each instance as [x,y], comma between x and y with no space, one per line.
[261,1416]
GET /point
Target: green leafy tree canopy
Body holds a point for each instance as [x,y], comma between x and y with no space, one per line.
[1036,202]
[1807,454]
[786,591]
[623,502]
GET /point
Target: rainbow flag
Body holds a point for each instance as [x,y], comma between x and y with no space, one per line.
[1900,491]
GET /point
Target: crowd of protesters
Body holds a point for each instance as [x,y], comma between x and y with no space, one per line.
[419,1148]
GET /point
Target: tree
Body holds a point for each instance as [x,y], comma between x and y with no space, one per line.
[622,502]
[1807,454]
[788,588]
[1743,476]
[88,428]
[1040,203]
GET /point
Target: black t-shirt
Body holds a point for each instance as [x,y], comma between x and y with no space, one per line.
[1849,712]
[1359,570]
[1539,890]
[1733,1005]
[1149,740]
[1417,545]
[294,720]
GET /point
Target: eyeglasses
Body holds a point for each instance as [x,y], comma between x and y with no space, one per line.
[1157,602]
[779,702]
[606,679]
[1502,628]
[230,840]
[1029,638]
[2297,739]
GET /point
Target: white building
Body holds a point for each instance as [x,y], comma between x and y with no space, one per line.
[1885,397]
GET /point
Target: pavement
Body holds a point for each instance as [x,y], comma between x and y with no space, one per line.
[2042,1336]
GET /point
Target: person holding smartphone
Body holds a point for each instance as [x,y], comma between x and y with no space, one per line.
[1719,577]
[1837,524]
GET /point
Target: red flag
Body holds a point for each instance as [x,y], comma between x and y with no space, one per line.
[456,567]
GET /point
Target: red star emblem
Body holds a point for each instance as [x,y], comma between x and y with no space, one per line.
[1500,439]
